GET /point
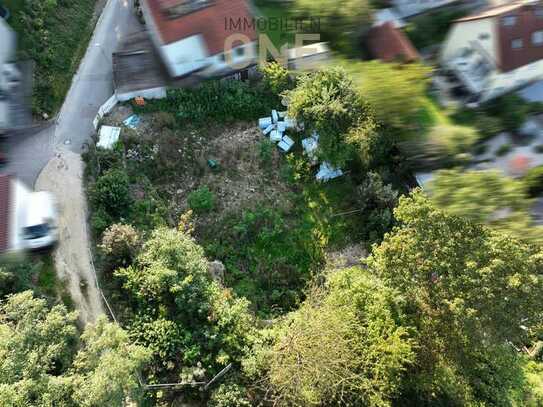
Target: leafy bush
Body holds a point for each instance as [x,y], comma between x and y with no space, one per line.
[223,101]
[431,28]
[111,192]
[201,200]
[480,149]
[229,395]
[503,149]
[120,244]
[268,256]
[54,34]
[533,180]
[511,109]
[276,77]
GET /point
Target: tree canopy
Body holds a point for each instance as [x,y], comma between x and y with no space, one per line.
[343,346]
[486,197]
[42,362]
[470,290]
[192,326]
[396,92]
[327,102]
[342,24]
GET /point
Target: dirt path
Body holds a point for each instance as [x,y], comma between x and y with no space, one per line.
[63,176]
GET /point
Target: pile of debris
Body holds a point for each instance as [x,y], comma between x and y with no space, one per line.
[275,127]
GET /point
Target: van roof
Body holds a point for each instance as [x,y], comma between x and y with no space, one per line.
[39,208]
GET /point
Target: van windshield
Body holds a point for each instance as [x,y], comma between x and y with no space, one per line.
[35,232]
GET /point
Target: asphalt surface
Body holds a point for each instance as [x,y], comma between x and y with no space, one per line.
[29,152]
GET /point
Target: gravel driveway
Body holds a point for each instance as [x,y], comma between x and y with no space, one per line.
[63,176]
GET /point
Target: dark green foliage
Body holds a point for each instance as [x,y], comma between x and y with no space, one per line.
[193,327]
[201,200]
[269,256]
[533,180]
[511,109]
[431,28]
[504,149]
[54,34]
[111,192]
[507,112]
[220,101]
[266,152]
[376,201]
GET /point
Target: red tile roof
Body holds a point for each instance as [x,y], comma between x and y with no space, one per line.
[4,211]
[389,44]
[212,22]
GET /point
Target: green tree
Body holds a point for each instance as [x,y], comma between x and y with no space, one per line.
[339,23]
[470,290]
[376,200]
[42,366]
[396,92]
[486,197]
[105,368]
[188,321]
[344,346]
[326,101]
[111,193]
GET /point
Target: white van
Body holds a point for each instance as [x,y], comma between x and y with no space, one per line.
[32,220]
[39,229]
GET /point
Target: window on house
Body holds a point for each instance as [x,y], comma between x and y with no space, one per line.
[240,51]
[509,21]
[516,44]
[484,36]
[537,37]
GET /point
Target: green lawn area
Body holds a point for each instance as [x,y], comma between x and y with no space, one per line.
[55,38]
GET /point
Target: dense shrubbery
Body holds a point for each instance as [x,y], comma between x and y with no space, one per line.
[193,327]
[431,28]
[220,101]
[269,257]
[53,33]
[201,200]
[533,180]
[506,113]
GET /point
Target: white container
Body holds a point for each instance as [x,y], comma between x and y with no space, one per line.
[276,136]
[264,122]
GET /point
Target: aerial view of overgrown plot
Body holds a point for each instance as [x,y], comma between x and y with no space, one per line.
[235,203]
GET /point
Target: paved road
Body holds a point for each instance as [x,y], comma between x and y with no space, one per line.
[91,87]
[57,150]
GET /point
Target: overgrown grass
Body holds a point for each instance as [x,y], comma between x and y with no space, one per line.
[56,38]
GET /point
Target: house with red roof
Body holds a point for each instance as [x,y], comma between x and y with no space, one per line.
[211,37]
[389,44]
[496,50]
